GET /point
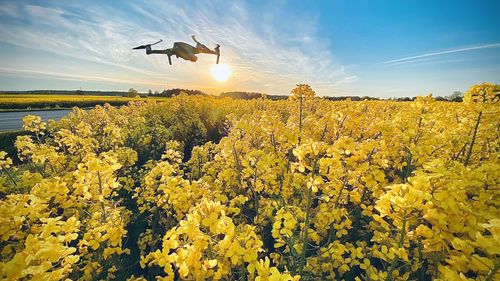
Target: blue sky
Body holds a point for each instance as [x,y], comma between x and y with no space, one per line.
[374,48]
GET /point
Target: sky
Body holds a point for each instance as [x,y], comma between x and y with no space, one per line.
[365,48]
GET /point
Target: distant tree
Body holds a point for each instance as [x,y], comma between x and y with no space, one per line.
[132,93]
[241,95]
[157,93]
[456,96]
[150,92]
[351,98]
[177,91]
[405,99]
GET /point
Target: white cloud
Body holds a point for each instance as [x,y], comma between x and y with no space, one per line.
[9,9]
[427,56]
[76,77]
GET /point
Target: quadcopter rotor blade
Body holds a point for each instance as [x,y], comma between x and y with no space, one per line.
[144,46]
[159,41]
[140,47]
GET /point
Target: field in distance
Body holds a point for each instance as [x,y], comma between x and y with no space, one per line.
[40,101]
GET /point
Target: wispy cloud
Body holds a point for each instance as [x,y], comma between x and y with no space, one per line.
[263,56]
[9,10]
[428,56]
[427,62]
[76,77]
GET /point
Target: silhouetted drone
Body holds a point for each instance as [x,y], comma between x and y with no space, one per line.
[183,50]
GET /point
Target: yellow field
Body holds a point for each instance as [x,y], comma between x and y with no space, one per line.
[13,101]
[202,188]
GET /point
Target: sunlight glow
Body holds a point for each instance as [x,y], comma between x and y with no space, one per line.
[220,72]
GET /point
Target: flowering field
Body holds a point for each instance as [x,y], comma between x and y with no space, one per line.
[18,101]
[198,188]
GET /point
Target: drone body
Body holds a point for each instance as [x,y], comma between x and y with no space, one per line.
[182,50]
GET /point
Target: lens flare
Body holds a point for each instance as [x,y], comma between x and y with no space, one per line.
[220,72]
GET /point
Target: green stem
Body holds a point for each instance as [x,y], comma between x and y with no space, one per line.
[324,132]
[403,230]
[153,228]
[306,231]
[210,253]
[344,183]
[469,153]
[492,272]
[243,272]
[300,120]
[199,166]
[238,165]
[103,218]
[408,168]
[400,244]
[420,259]
[307,222]
[256,194]
[9,175]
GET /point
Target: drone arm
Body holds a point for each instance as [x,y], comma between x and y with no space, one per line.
[164,52]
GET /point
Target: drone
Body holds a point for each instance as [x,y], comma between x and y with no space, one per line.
[183,50]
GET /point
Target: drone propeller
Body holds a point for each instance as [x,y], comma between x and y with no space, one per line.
[145,46]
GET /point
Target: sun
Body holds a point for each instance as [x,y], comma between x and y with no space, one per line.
[220,72]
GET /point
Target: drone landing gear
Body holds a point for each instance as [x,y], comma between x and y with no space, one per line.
[150,51]
[217,52]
